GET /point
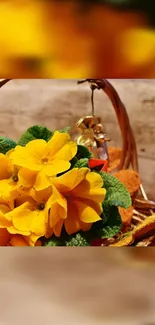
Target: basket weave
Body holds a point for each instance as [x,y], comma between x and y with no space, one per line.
[143,207]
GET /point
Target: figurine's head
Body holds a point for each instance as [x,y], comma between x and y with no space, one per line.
[88,122]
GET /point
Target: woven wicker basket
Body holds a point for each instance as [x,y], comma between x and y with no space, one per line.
[143,207]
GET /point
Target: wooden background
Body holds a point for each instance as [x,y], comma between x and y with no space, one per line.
[59,103]
[75,286]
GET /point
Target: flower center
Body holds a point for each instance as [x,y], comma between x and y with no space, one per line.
[45,161]
[15,178]
[41,206]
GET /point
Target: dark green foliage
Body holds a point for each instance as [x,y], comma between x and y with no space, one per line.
[35,132]
[6,145]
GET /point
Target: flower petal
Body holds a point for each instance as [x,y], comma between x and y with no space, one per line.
[67,152]
[22,158]
[38,222]
[70,179]
[18,240]
[58,211]
[27,177]
[4,237]
[49,231]
[8,190]
[23,197]
[90,188]
[85,226]
[6,167]
[86,213]
[13,231]
[21,217]
[57,228]
[36,148]
[32,240]
[94,179]
[57,141]
[42,181]
[4,222]
[43,195]
[55,167]
[93,204]
[19,156]
[4,208]
[26,222]
[54,216]
[72,222]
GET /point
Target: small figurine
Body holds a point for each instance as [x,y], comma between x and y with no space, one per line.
[93,136]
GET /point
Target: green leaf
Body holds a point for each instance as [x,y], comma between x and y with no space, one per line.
[35,132]
[79,239]
[6,145]
[117,194]
[106,212]
[53,241]
[81,163]
[83,152]
[113,223]
[65,130]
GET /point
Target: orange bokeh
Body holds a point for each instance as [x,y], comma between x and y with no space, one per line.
[54,39]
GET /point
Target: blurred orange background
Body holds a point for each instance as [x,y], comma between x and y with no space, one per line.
[61,39]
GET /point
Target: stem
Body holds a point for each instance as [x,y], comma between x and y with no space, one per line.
[92,101]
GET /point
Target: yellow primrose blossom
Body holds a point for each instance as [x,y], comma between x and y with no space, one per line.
[8,239]
[30,216]
[80,203]
[49,158]
[20,176]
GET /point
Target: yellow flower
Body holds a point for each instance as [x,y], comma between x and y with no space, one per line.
[30,216]
[8,239]
[80,203]
[46,158]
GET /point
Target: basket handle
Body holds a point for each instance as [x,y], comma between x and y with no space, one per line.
[129,149]
[3,82]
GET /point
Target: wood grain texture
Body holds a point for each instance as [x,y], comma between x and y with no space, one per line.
[83,286]
[58,103]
